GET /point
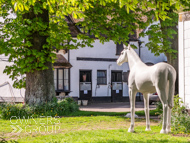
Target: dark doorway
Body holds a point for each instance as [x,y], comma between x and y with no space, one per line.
[116,86]
[85,85]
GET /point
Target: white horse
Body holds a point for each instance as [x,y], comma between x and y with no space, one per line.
[158,78]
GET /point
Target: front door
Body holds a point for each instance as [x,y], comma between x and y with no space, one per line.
[85,85]
[117,86]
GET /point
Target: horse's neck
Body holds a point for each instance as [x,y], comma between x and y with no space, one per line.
[133,58]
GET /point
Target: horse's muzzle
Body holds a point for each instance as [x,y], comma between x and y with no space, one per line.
[119,63]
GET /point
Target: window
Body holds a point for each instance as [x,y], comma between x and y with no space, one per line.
[119,48]
[116,76]
[85,76]
[55,78]
[66,79]
[61,79]
[101,77]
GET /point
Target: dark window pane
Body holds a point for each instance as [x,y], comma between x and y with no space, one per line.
[85,76]
[101,77]
[116,77]
[119,48]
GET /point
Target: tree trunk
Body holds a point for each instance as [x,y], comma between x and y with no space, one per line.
[172,61]
[39,83]
[40,86]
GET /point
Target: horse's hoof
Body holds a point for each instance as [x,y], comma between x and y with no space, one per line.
[163,131]
[147,129]
[130,130]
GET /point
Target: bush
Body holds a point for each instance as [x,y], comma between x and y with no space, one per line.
[54,108]
[180,117]
[9,110]
[159,108]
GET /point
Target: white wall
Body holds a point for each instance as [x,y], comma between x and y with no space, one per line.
[5,90]
[106,50]
[184,61]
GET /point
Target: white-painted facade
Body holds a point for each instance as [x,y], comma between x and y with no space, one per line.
[184,57]
[6,89]
[106,50]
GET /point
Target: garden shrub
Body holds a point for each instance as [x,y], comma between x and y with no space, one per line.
[180,119]
[159,109]
[54,108]
[9,110]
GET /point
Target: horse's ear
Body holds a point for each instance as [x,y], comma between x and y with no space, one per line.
[124,46]
[129,47]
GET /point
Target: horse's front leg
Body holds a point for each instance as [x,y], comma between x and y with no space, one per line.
[146,109]
[132,96]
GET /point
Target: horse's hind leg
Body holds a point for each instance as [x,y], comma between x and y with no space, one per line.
[146,109]
[168,128]
[132,96]
[162,94]
[171,88]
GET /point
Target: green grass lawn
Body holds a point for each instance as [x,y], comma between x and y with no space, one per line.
[92,113]
[88,129]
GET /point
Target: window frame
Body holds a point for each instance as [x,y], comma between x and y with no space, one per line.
[57,80]
[102,77]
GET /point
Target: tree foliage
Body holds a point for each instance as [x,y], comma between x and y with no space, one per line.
[162,34]
[106,19]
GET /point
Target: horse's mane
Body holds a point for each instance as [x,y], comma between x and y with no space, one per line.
[134,54]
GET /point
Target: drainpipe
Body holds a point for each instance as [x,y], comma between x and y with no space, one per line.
[139,48]
[68,56]
[109,83]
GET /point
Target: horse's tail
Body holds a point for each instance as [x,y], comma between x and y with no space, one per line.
[171,87]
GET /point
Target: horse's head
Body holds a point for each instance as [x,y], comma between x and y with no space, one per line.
[123,57]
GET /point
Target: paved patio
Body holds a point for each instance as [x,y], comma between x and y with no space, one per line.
[114,107]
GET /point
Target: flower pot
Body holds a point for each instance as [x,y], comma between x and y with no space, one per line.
[79,102]
[84,102]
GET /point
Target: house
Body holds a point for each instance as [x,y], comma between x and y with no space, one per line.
[7,92]
[92,73]
[184,57]
[95,75]
[61,74]
[10,94]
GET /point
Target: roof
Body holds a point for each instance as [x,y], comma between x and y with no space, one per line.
[72,26]
[75,29]
[61,62]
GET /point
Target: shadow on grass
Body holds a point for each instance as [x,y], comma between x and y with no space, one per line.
[2,140]
[92,113]
[137,141]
